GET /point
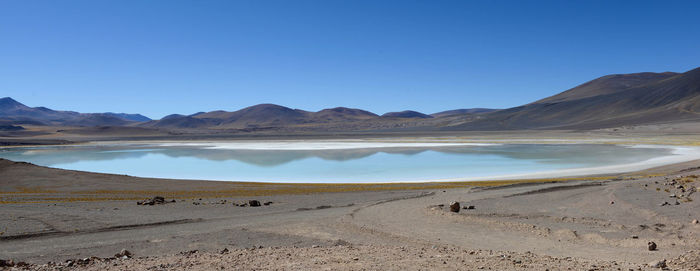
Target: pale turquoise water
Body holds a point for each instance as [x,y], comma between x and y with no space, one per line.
[340,165]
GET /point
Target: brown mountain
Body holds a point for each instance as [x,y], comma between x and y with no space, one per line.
[12,111]
[609,101]
[607,85]
[262,115]
[470,111]
[342,113]
[407,114]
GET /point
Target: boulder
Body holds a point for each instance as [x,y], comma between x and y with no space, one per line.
[695,222]
[658,264]
[651,246]
[6,263]
[153,201]
[123,254]
[254,203]
[454,207]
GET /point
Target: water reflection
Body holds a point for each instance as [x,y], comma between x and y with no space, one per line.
[554,154]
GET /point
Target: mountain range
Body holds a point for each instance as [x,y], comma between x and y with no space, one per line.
[608,101]
[14,112]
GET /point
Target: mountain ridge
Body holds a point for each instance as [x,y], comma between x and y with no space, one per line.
[606,101]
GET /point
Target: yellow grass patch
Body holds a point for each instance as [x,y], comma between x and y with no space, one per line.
[250,189]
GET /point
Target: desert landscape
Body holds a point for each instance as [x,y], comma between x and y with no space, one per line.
[349,135]
[641,219]
[58,219]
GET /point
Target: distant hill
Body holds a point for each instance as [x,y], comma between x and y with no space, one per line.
[18,113]
[608,84]
[343,113]
[10,128]
[407,114]
[462,112]
[131,117]
[178,121]
[262,115]
[609,101]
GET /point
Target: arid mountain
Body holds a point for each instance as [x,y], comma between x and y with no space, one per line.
[608,84]
[18,113]
[609,101]
[342,113]
[178,121]
[131,117]
[406,114]
[473,111]
[270,115]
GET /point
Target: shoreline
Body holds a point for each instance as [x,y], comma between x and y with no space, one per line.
[680,154]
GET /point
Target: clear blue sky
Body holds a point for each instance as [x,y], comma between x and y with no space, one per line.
[162,57]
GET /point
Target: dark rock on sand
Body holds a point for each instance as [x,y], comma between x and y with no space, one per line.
[123,253]
[469,207]
[153,201]
[652,246]
[6,263]
[454,207]
[658,264]
[267,203]
[254,203]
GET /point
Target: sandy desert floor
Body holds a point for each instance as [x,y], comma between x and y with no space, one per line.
[57,219]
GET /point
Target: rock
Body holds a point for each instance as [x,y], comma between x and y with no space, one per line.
[672,196]
[267,203]
[651,246]
[6,263]
[123,254]
[83,261]
[454,207]
[612,202]
[254,203]
[695,222]
[152,201]
[658,264]
[635,237]
[664,203]
[224,251]
[468,207]
[187,253]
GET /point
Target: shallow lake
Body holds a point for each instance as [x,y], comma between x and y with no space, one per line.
[303,161]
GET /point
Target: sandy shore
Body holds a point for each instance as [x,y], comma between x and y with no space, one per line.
[589,223]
